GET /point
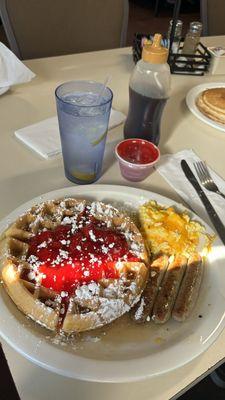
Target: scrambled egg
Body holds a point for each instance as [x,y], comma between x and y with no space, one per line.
[169,232]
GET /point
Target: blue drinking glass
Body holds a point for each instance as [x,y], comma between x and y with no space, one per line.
[83,109]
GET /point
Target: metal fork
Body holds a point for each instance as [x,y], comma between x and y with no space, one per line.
[205,178]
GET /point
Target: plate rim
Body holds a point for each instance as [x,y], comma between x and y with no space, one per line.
[190,101]
[99,370]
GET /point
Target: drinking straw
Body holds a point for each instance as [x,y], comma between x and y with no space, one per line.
[176,11]
[106,81]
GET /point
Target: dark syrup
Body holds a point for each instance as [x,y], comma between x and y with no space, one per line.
[144,117]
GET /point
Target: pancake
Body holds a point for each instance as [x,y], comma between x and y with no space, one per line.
[215,99]
[211,103]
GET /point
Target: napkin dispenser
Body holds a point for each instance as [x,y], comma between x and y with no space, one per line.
[217,65]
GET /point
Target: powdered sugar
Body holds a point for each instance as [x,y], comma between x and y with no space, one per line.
[42,245]
[139,312]
[112,308]
[92,236]
[64,294]
[31,275]
[86,292]
[113,297]
[105,249]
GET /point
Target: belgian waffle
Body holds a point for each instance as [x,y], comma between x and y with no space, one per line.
[91,304]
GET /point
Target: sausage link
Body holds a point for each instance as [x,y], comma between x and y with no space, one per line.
[168,291]
[189,289]
[141,312]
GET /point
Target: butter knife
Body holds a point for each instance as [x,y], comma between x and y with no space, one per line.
[220,228]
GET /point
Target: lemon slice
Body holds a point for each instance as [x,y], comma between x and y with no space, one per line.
[97,141]
[83,176]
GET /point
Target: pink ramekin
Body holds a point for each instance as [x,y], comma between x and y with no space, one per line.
[134,171]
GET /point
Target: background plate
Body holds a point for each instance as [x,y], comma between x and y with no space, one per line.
[191,103]
[121,351]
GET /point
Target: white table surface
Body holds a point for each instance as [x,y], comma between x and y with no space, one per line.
[24,175]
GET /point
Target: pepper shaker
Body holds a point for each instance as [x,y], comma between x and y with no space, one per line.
[192,38]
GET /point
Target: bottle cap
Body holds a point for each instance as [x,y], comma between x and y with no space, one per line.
[178,23]
[155,53]
[178,28]
[196,26]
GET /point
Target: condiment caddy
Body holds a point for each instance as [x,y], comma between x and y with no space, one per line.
[190,64]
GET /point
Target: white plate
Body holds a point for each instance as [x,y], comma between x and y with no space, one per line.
[191,103]
[4,89]
[126,352]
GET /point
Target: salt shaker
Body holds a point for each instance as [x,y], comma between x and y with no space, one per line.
[192,38]
[177,35]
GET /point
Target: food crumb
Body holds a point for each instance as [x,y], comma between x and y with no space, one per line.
[159,340]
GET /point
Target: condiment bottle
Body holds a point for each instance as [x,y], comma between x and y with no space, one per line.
[148,92]
[177,35]
[192,38]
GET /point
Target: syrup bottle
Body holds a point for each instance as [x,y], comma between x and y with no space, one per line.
[148,92]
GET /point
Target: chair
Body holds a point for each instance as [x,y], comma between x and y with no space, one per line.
[44,28]
[213,17]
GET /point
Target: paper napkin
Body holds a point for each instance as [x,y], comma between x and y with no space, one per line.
[12,70]
[169,167]
[43,137]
